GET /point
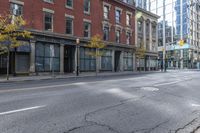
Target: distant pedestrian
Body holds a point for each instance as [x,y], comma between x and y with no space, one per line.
[161,67]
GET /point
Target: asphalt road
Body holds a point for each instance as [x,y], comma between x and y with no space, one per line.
[152,103]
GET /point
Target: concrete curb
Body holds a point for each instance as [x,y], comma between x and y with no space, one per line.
[79,77]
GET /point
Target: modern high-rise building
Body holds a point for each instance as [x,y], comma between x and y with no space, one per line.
[182,23]
[142,4]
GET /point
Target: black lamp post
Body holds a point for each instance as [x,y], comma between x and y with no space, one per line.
[77,56]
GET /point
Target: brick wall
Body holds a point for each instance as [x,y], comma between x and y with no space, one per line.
[33,14]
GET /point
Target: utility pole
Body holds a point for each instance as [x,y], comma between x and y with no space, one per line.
[164,40]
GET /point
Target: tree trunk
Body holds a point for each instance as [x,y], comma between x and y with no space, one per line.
[8,64]
[139,66]
[97,61]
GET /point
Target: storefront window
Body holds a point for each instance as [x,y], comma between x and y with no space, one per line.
[106,60]
[3,64]
[87,62]
[128,61]
[47,57]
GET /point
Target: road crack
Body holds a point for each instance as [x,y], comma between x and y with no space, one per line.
[94,123]
[149,130]
[188,124]
[196,129]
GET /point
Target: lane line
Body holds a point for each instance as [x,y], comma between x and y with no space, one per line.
[21,110]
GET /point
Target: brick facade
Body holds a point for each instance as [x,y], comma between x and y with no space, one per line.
[34,15]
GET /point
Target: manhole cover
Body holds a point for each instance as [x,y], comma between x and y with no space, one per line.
[149,89]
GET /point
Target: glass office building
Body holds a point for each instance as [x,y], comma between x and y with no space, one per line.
[182,19]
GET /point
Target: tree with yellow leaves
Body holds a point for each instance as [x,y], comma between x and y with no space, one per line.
[140,53]
[97,44]
[11,28]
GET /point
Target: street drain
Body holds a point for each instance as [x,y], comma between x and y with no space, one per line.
[149,89]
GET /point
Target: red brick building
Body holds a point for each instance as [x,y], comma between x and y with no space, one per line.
[57,24]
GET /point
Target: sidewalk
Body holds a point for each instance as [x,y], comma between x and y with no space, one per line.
[69,76]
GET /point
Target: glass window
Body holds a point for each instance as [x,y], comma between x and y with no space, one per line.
[88,63]
[87,6]
[128,61]
[117,16]
[16,9]
[69,3]
[46,60]
[106,60]
[106,33]
[128,19]
[50,1]
[48,21]
[117,36]
[106,12]
[69,26]
[128,38]
[87,27]
[139,24]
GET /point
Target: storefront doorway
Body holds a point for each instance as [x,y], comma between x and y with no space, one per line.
[117,61]
[69,59]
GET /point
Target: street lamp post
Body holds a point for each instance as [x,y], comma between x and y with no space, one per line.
[77,56]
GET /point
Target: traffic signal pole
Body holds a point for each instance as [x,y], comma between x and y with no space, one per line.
[164,40]
[181,21]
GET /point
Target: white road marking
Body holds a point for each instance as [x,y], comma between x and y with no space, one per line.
[169,83]
[149,89]
[21,110]
[195,105]
[121,93]
[65,85]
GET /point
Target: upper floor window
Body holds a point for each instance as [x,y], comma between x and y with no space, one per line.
[87,6]
[154,30]
[106,33]
[106,12]
[128,38]
[69,3]
[87,29]
[117,16]
[49,1]
[128,19]
[16,9]
[147,28]
[69,25]
[48,21]
[117,36]
[139,24]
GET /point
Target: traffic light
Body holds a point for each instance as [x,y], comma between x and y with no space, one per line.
[182,42]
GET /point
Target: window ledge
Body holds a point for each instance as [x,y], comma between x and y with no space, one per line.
[118,23]
[106,19]
[87,13]
[69,7]
[69,34]
[50,31]
[48,2]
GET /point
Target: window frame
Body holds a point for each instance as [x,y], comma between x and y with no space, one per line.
[89,29]
[12,9]
[49,13]
[49,1]
[69,7]
[72,25]
[88,6]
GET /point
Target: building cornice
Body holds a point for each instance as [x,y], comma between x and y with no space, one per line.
[125,4]
[147,13]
